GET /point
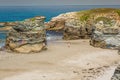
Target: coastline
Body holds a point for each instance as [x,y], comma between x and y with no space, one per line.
[64,59]
[77,58]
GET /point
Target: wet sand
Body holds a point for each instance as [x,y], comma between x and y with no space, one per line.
[64,60]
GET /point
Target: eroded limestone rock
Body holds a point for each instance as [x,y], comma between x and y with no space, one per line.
[78,25]
[106,35]
[74,29]
[27,36]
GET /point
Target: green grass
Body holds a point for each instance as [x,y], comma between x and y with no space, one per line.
[85,15]
[118,11]
[104,19]
[102,10]
[32,19]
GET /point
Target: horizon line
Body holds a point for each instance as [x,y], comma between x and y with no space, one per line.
[67,5]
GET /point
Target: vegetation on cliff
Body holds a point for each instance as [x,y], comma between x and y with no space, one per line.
[77,25]
[91,14]
[104,19]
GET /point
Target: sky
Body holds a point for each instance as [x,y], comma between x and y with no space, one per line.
[58,2]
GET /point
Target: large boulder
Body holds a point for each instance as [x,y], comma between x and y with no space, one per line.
[27,36]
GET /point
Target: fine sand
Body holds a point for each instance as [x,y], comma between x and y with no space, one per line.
[63,60]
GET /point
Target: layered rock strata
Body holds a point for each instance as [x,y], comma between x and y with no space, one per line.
[78,25]
[27,36]
[106,35]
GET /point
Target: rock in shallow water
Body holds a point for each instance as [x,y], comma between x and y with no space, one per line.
[27,36]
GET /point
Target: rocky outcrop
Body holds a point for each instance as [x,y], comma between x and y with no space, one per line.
[116,75]
[55,25]
[106,35]
[77,25]
[6,26]
[71,26]
[74,29]
[100,25]
[27,36]
[58,23]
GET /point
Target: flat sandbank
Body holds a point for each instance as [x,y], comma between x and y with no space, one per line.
[63,60]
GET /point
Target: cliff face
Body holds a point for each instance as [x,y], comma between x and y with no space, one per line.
[58,22]
[78,25]
[106,37]
[27,36]
[101,25]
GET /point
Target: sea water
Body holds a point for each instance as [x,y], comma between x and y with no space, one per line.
[19,13]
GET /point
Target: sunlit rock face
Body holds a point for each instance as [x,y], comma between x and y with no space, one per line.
[78,25]
[27,36]
[106,35]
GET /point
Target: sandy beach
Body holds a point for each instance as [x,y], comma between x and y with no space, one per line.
[63,60]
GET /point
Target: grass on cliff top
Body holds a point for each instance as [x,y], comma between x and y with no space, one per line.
[104,19]
[85,14]
[32,19]
[118,11]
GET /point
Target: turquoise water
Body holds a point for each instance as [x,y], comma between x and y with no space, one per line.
[18,13]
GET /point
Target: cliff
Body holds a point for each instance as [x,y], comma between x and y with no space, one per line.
[101,25]
[79,24]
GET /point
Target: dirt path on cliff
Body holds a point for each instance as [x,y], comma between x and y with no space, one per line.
[64,60]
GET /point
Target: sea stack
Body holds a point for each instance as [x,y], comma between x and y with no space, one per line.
[27,36]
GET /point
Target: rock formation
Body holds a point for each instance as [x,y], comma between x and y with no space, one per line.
[5,26]
[27,36]
[74,29]
[101,25]
[106,35]
[52,25]
[77,25]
